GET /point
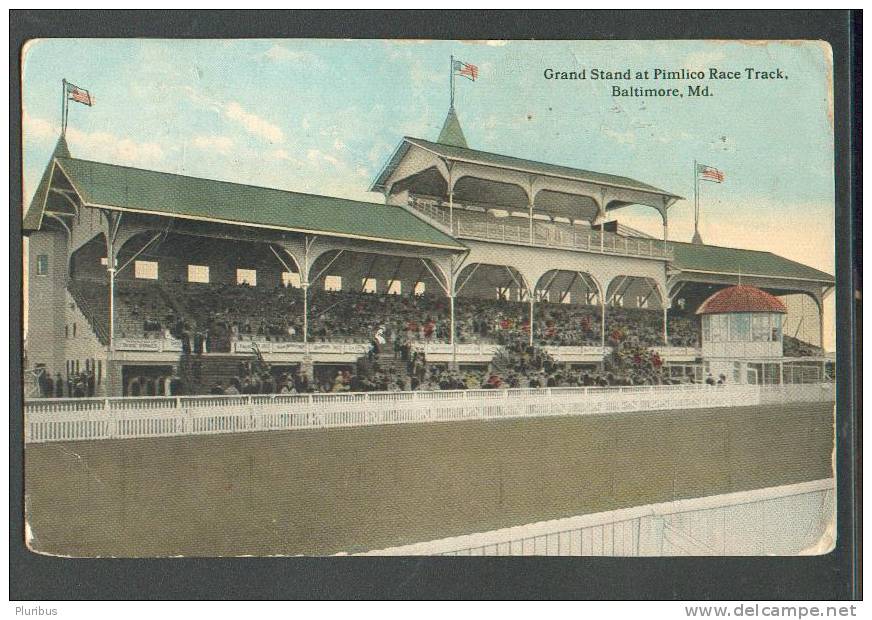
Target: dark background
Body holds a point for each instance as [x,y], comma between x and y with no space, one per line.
[833,576]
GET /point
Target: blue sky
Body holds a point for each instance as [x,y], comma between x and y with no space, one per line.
[323,117]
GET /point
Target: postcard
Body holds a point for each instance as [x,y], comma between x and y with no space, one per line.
[421,297]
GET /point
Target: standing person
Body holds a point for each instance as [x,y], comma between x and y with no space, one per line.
[58,386]
[49,385]
[379,340]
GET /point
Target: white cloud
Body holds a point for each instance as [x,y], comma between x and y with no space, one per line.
[621,137]
[35,128]
[220,144]
[253,123]
[105,146]
[317,156]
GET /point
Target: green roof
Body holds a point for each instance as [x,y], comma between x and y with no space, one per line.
[461,153]
[161,193]
[452,134]
[716,259]
[33,217]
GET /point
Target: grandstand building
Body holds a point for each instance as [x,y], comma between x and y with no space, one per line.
[136,274]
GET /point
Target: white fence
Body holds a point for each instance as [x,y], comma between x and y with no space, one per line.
[118,418]
[785,520]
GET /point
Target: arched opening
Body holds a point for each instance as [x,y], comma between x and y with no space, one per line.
[427,183]
[487,193]
[635,219]
[634,311]
[88,262]
[352,294]
[802,325]
[492,304]
[568,309]
[566,208]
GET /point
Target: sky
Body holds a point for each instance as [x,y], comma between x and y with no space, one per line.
[323,116]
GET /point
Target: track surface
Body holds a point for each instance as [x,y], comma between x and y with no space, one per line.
[325,491]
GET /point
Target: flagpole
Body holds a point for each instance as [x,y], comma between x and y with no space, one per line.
[451,80]
[696,237]
[63,106]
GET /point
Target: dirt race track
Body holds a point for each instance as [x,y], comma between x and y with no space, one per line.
[325,491]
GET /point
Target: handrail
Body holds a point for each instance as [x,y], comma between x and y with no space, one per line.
[544,234]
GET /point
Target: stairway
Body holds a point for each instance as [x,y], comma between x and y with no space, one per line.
[387,363]
[92,299]
[202,372]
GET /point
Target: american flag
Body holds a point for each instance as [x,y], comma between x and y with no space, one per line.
[708,173]
[79,94]
[466,70]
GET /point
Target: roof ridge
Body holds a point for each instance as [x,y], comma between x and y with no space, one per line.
[226,182]
[543,163]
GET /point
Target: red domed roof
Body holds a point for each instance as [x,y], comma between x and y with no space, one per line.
[741,298]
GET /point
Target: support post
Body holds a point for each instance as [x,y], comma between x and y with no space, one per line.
[451,211]
[820,306]
[532,311]
[665,327]
[451,338]
[602,322]
[531,220]
[305,286]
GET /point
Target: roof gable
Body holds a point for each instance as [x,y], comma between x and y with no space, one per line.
[33,217]
[463,153]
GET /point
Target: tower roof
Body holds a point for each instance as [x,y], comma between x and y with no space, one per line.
[451,133]
[741,298]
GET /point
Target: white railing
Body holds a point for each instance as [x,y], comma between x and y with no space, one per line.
[114,418]
[157,345]
[544,234]
[726,524]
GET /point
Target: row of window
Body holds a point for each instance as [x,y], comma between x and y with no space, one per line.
[741,327]
[199,274]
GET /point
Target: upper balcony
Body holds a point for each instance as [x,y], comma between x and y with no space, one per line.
[474,222]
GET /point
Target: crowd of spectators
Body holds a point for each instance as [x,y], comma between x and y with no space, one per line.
[77,385]
[215,315]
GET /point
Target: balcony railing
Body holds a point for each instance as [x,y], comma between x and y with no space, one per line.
[476,225]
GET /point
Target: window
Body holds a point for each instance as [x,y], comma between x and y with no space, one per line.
[776,328]
[66,331]
[99,371]
[543,295]
[642,301]
[289,278]
[420,288]
[395,288]
[198,273]
[145,270]
[42,265]
[370,285]
[567,298]
[760,327]
[74,330]
[719,327]
[706,328]
[740,327]
[333,283]
[246,276]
